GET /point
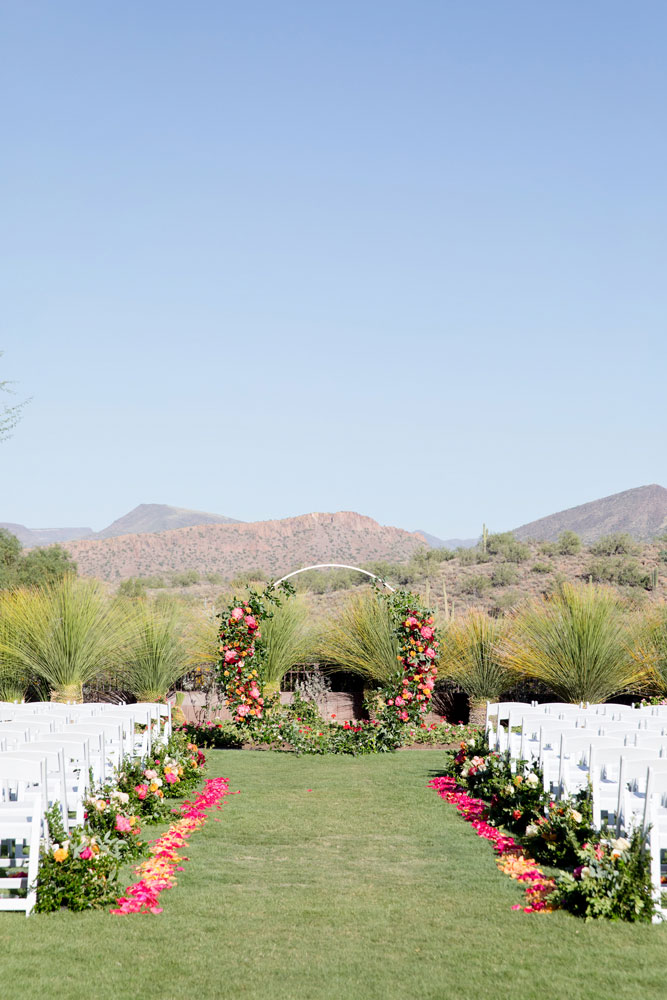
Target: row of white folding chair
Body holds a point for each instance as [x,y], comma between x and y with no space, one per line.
[21,829]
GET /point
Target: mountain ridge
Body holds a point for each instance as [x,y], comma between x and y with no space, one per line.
[641,512]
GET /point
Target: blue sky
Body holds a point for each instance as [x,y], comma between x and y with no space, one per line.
[267,258]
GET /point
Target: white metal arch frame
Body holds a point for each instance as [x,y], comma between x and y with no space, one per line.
[334,566]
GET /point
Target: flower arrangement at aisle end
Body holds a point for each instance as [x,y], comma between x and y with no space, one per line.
[409,698]
[172,771]
[107,812]
[241,653]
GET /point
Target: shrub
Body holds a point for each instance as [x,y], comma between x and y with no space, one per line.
[568,544]
[612,880]
[547,548]
[361,639]
[508,547]
[469,656]
[618,544]
[616,569]
[577,642]
[541,568]
[476,584]
[504,575]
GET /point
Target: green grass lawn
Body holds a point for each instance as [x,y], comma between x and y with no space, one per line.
[368,887]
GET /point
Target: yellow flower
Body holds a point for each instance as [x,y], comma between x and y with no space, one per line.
[60,853]
[518,780]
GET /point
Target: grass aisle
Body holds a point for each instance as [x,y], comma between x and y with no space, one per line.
[368,887]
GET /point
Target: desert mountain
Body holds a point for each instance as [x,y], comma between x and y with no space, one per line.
[152,517]
[30,537]
[641,512]
[147,517]
[447,543]
[274,546]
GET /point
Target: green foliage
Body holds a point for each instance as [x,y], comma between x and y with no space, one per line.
[470,557]
[37,567]
[619,570]
[67,633]
[504,575]
[547,548]
[66,879]
[577,642]
[476,584]
[541,568]
[288,640]
[133,588]
[508,547]
[612,880]
[156,656]
[214,735]
[617,544]
[186,578]
[361,639]
[568,544]
[469,656]
[557,836]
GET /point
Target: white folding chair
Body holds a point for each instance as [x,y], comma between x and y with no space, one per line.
[20,834]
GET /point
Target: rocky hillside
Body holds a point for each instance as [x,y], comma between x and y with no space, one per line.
[274,546]
[641,512]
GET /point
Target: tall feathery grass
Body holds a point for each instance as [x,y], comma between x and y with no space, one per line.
[157,655]
[651,647]
[469,655]
[15,679]
[287,641]
[578,642]
[361,639]
[67,633]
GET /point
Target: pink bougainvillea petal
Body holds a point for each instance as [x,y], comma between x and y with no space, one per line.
[157,872]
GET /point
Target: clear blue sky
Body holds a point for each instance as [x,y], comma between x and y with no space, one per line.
[265,258]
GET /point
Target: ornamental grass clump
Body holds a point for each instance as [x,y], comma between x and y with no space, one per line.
[469,656]
[362,640]
[578,642]
[157,656]
[287,642]
[67,633]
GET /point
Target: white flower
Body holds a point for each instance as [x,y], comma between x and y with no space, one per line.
[585,871]
[620,845]
[532,779]
[121,797]
[508,790]
[532,830]
[576,815]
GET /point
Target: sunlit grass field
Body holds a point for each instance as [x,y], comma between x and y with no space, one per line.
[332,877]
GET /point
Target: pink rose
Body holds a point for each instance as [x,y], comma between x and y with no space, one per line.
[86,853]
[430,653]
[251,622]
[398,700]
[237,614]
[403,716]
[411,621]
[123,824]
[231,656]
[426,632]
[141,790]
[171,778]
[430,683]
[242,710]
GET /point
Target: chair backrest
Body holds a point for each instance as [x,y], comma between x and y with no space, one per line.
[20,831]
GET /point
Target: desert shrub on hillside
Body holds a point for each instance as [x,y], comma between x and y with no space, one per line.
[508,547]
[568,544]
[541,568]
[475,584]
[617,570]
[547,548]
[618,544]
[504,575]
